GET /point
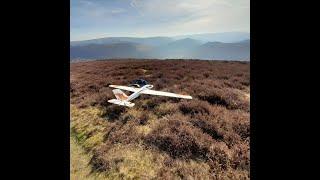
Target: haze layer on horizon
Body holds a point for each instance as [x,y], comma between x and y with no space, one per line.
[90,19]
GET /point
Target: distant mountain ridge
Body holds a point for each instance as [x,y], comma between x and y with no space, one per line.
[226,37]
[228,51]
[153,41]
[116,50]
[165,47]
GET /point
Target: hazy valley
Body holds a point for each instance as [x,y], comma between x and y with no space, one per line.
[211,46]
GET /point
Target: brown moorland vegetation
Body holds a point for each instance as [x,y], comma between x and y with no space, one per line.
[207,137]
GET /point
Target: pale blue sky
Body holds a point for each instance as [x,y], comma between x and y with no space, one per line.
[91,19]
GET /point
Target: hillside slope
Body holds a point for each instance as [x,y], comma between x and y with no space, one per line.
[226,51]
[207,137]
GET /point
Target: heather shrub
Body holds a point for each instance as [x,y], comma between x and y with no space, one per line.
[241,156]
[209,127]
[98,161]
[98,99]
[214,96]
[149,104]
[194,107]
[125,133]
[179,139]
[113,112]
[143,119]
[232,174]
[219,156]
[165,109]
[222,125]
[132,113]
[227,97]
[185,169]
[242,129]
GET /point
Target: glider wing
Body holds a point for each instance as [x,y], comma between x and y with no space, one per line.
[162,93]
[124,88]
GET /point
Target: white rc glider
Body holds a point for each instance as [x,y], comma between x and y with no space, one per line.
[141,88]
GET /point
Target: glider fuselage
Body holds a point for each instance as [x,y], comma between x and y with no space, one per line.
[124,100]
[138,92]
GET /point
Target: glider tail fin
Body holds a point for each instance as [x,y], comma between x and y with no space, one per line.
[120,95]
[122,98]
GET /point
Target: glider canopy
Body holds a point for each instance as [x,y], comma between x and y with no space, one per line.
[139,83]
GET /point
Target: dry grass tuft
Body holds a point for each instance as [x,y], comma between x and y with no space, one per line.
[128,162]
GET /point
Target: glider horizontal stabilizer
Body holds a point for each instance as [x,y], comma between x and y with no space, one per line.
[121,103]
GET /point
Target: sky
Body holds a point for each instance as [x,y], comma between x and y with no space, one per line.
[90,19]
